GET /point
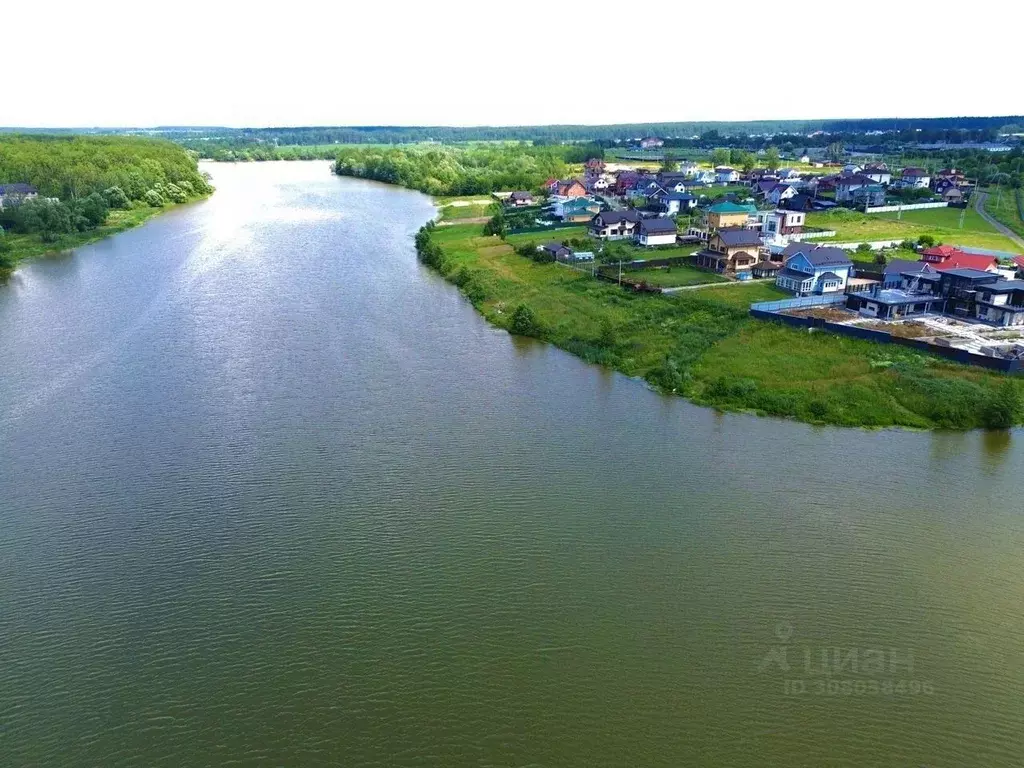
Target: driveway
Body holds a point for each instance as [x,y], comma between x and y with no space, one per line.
[979,206]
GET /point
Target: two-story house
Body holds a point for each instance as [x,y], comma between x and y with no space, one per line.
[726,214]
[814,269]
[16,193]
[845,186]
[878,174]
[781,222]
[651,232]
[726,175]
[915,178]
[733,251]
[519,198]
[615,225]
[779,193]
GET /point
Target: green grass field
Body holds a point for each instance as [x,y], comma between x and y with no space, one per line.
[851,226]
[673,277]
[703,344]
[1004,208]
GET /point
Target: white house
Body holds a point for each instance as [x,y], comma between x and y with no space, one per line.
[704,177]
[781,222]
[674,202]
[688,167]
[788,173]
[878,175]
[651,232]
[846,186]
[915,178]
[726,175]
[814,269]
[780,193]
[851,168]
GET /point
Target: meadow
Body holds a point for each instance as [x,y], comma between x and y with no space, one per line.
[1006,208]
[703,344]
[941,224]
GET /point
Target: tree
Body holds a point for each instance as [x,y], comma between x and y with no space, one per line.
[880,258]
[771,158]
[93,209]
[524,322]
[834,152]
[720,156]
[153,199]
[926,241]
[116,198]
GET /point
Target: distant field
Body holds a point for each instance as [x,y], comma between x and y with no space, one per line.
[457,209]
[858,227]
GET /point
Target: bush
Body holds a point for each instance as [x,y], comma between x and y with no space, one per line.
[153,199]
[116,198]
[1003,411]
[524,322]
[926,241]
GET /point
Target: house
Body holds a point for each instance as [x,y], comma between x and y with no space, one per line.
[688,167]
[726,214]
[576,209]
[895,269]
[614,225]
[519,199]
[556,251]
[651,142]
[895,302]
[799,202]
[780,193]
[846,185]
[704,177]
[726,175]
[814,269]
[915,178]
[764,269]
[943,257]
[1001,303]
[674,202]
[805,158]
[953,195]
[646,188]
[879,175]
[872,195]
[17,193]
[599,183]
[568,188]
[788,173]
[781,222]
[594,166]
[731,250]
[651,232]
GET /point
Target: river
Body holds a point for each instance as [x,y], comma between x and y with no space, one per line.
[272,492]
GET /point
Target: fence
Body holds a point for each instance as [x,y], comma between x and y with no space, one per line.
[881,337]
[798,302]
[907,207]
[808,233]
[550,228]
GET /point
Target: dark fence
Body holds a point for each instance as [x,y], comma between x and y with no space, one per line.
[950,353]
[551,228]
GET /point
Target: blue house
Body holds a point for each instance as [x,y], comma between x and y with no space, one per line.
[814,269]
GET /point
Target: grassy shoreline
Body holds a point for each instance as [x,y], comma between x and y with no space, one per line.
[702,344]
[25,248]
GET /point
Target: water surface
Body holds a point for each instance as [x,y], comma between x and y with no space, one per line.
[273,493]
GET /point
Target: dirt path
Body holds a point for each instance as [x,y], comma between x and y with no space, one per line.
[979,206]
[717,285]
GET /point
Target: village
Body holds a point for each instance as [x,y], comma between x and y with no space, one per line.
[677,228]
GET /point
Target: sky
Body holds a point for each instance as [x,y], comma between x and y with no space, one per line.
[514,62]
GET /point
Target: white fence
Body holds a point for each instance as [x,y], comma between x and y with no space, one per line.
[909,207]
[801,236]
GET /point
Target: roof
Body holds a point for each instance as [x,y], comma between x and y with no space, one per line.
[894,296]
[766,265]
[818,255]
[794,275]
[857,178]
[658,226]
[1019,261]
[18,188]
[915,172]
[973,274]
[944,251]
[727,207]
[614,217]
[678,196]
[555,247]
[903,266]
[1006,286]
[520,195]
[975,261]
[735,237]
[829,276]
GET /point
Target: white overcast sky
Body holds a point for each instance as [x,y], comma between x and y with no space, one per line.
[503,62]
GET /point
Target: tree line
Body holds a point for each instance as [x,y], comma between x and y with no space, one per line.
[80,179]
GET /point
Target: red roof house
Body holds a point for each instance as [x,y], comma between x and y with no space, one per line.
[944,257]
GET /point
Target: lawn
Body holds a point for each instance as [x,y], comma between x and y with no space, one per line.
[673,277]
[555,235]
[713,193]
[1005,208]
[945,218]
[851,226]
[703,344]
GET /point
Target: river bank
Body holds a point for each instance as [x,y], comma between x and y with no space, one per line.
[703,345]
[25,248]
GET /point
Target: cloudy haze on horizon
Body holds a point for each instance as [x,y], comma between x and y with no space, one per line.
[114,63]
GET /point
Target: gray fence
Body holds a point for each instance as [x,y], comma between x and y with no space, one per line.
[799,302]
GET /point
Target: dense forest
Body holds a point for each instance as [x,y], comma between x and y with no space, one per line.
[443,170]
[81,179]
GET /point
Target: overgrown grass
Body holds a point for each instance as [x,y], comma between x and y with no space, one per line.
[672,277]
[851,226]
[703,344]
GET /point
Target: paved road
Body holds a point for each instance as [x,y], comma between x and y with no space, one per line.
[979,206]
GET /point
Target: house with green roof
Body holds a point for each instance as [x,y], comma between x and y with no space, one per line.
[726,214]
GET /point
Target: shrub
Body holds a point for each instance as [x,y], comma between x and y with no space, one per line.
[926,241]
[524,322]
[153,198]
[116,198]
